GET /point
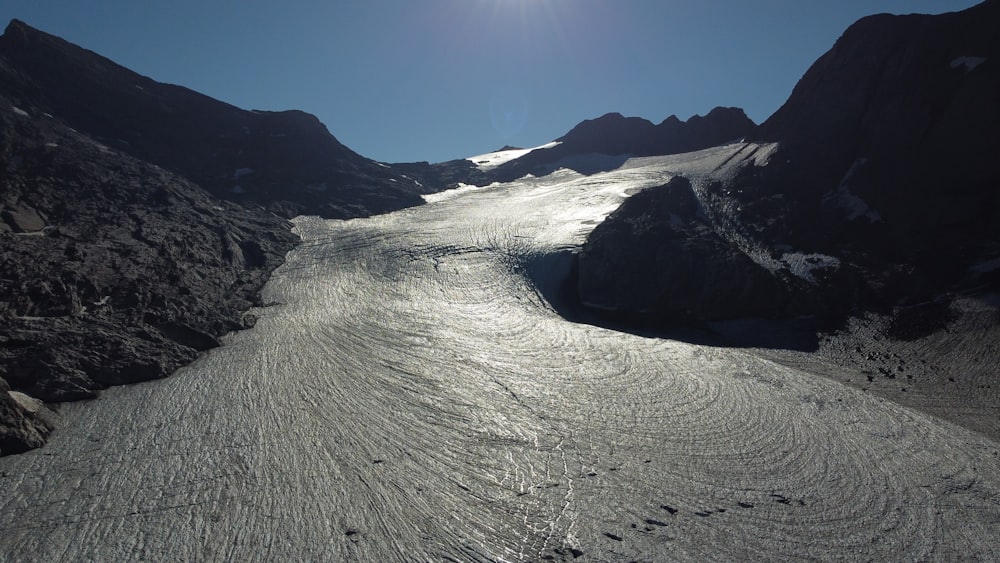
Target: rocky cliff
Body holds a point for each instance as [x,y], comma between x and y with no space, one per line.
[881,171]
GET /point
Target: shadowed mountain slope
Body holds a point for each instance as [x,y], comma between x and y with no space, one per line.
[286,161]
[874,186]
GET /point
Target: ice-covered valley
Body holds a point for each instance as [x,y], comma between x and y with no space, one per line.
[411,396]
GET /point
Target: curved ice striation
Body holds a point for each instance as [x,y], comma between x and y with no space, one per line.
[413,398]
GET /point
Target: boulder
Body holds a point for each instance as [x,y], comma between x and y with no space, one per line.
[23,421]
[22,219]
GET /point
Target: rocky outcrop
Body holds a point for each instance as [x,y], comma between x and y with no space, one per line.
[124,272]
[883,180]
[663,272]
[23,424]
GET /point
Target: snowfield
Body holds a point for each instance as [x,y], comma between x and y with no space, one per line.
[496,158]
[412,397]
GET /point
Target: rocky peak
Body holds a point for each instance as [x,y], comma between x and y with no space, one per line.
[612,133]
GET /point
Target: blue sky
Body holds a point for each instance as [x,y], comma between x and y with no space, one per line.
[408,80]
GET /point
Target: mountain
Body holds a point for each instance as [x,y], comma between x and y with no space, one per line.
[285,161]
[614,134]
[874,187]
[619,137]
[592,146]
[139,220]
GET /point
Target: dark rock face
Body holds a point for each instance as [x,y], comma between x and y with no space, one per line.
[132,272]
[904,109]
[615,135]
[139,220]
[885,166]
[663,271]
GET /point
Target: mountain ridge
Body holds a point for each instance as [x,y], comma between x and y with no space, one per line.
[615,135]
[298,166]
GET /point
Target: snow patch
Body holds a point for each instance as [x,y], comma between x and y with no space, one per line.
[412,180]
[240,172]
[762,156]
[803,265]
[849,202]
[970,63]
[494,159]
[19,111]
[987,266]
[448,194]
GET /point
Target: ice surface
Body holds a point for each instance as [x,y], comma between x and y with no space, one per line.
[19,111]
[412,398]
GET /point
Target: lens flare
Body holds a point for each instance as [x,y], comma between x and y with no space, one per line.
[508,111]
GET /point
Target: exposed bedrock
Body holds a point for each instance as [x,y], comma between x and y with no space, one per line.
[659,259]
[115,270]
